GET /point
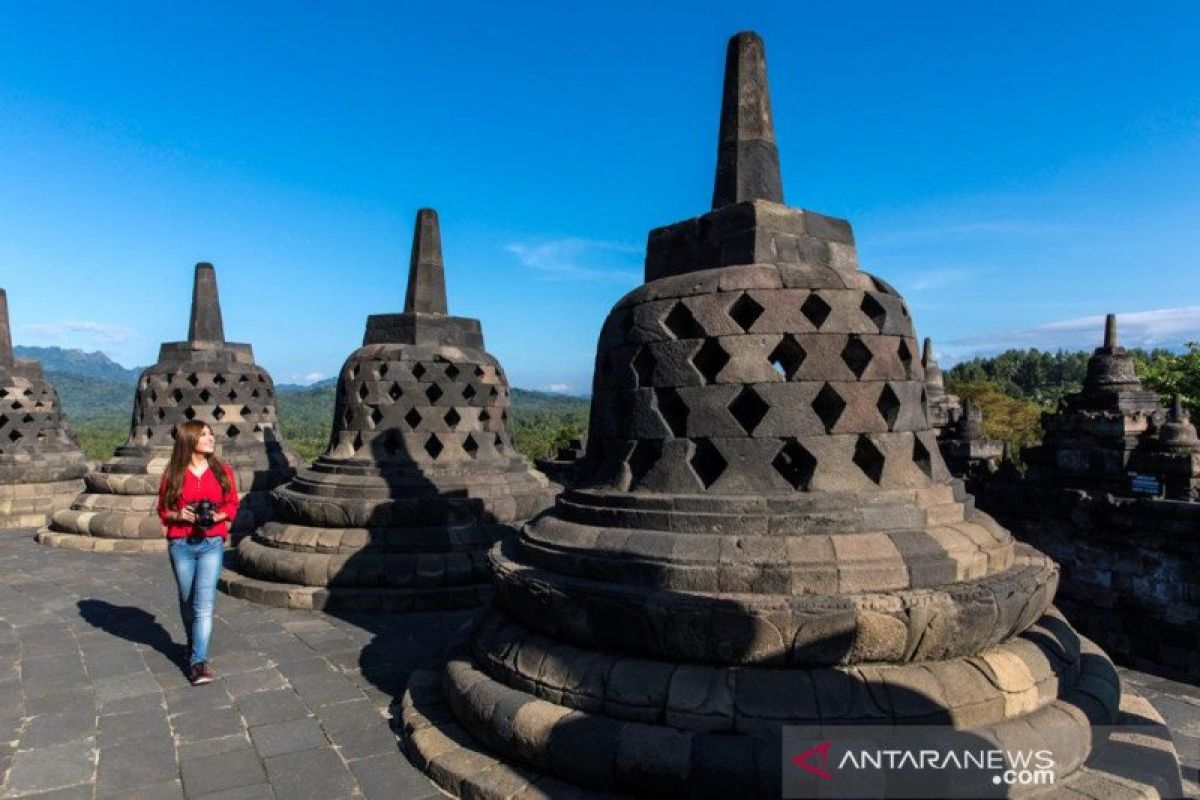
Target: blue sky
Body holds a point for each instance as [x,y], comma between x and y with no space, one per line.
[1015,169]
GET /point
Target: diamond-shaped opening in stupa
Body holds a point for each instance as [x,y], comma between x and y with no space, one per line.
[681,324]
[748,408]
[795,464]
[707,462]
[745,311]
[710,359]
[857,356]
[869,458]
[787,357]
[815,310]
[874,311]
[888,405]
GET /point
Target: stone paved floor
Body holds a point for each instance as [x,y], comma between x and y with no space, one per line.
[93,703]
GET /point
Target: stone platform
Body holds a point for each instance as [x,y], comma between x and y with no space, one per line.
[93,705]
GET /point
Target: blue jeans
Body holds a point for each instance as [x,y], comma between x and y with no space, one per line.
[197,567]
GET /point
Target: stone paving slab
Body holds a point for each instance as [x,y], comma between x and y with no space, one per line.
[93,703]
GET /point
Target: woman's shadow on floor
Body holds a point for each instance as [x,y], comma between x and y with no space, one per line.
[134,624]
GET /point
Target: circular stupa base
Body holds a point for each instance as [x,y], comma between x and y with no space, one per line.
[30,505]
[326,598]
[463,768]
[98,544]
[479,738]
[128,523]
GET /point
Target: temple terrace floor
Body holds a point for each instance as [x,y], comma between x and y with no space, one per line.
[93,703]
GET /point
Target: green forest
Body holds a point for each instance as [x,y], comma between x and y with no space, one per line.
[1014,388]
[99,412]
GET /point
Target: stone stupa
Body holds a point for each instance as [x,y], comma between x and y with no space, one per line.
[944,408]
[764,535]
[1089,441]
[420,478]
[1172,453]
[40,463]
[204,378]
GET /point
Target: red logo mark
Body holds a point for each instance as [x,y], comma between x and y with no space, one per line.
[822,750]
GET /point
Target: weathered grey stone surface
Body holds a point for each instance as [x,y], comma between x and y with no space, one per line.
[1171,453]
[204,378]
[969,454]
[763,533]
[94,703]
[945,409]
[563,468]
[420,478]
[40,462]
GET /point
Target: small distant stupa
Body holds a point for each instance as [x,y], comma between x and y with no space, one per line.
[204,378]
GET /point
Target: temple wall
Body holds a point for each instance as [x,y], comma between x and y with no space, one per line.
[1130,567]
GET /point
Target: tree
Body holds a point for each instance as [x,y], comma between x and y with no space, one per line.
[1009,419]
[1170,374]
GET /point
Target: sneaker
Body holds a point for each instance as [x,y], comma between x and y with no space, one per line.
[201,674]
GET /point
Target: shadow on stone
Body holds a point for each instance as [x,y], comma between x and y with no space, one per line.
[133,624]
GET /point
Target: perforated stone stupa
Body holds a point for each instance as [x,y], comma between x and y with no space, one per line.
[420,478]
[765,535]
[204,378]
[40,462]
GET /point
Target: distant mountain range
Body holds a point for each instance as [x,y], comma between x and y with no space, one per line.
[77,362]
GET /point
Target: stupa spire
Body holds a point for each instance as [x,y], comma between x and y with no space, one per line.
[1110,332]
[6,350]
[205,325]
[747,158]
[426,276]
[927,352]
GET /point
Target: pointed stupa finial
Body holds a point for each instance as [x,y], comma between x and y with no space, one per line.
[747,158]
[206,325]
[426,276]
[1110,332]
[1176,414]
[6,350]
[927,352]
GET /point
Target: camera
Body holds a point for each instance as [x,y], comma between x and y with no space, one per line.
[204,511]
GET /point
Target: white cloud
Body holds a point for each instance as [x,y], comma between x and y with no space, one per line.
[1160,327]
[577,259]
[306,378]
[81,330]
[558,387]
[928,280]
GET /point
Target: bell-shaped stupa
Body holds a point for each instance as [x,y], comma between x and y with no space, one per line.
[420,478]
[204,378]
[40,462]
[764,536]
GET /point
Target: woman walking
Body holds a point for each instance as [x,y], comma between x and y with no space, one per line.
[196,501]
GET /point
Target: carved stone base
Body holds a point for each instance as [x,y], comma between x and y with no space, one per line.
[30,505]
[533,742]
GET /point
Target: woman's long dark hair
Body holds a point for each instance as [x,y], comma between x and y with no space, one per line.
[186,436]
